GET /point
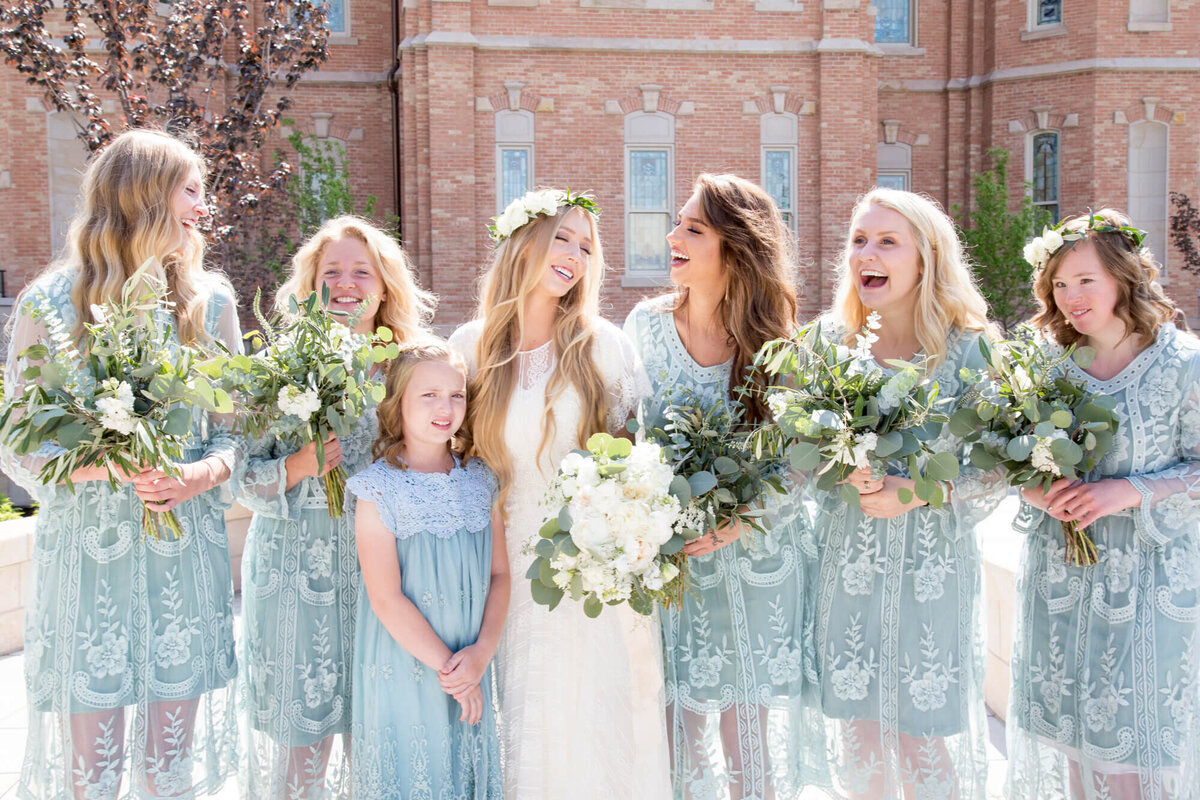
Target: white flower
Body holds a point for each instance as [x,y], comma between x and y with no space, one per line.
[1100,712]
[785,666]
[176,778]
[116,412]
[318,688]
[851,682]
[173,646]
[858,576]
[1161,391]
[929,693]
[704,671]
[1176,509]
[1042,458]
[301,405]
[1052,691]
[896,388]
[1022,384]
[109,657]
[1118,570]
[1051,240]
[525,208]
[867,337]
[105,787]
[929,582]
[1183,568]
[319,559]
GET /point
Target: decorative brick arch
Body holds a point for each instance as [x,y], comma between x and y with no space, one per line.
[321,125]
[1149,109]
[778,100]
[649,98]
[1043,118]
[513,96]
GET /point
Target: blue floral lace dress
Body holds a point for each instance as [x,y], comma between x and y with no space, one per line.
[129,647]
[738,655]
[300,581]
[1105,658]
[899,633]
[408,741]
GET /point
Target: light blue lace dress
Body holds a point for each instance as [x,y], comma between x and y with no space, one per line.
[1105,657]
[129,650]
[738,655]
[300,581]
[899,633]
[408,741]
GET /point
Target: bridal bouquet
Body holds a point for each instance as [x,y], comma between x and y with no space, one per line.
[125,402]
[618,517]
[312,379]
[844,413]
[1035,423]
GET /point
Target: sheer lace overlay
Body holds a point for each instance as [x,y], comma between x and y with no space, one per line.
[569,685]
[1105,659]
[129,648]
[899,634]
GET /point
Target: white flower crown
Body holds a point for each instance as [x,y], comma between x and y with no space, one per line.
[1038,251]
[531,205]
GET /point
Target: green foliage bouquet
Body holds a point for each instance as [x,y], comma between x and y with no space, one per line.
[125,402]
[837,412]
[1035,423]
[313,379]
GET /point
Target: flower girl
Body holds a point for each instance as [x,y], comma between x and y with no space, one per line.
[435,569]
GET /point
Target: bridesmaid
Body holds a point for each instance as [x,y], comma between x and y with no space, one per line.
[1104,697]
[898,628]
[129,651]
[580,698]
[738,653]
[300,572]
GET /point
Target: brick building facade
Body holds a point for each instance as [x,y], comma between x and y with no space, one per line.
[448,107]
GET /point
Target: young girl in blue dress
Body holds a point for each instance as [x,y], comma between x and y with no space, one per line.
[129,653]
[435,570]
[300,574]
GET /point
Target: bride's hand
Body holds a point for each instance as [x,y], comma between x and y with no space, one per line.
[721,536]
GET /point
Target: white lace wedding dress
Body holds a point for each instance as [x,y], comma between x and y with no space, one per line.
[581,700]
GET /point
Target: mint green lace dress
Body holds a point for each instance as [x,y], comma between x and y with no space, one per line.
[129,650]
[738,656]
[1105,699]
[300,581]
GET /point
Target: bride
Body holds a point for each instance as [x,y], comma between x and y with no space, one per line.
[580,698]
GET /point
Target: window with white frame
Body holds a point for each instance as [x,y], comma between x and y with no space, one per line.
[1148,157]
[1045,12]
[1041,170]
[514,155]
[649,205]
[893,166]
[778,136]
[893,21]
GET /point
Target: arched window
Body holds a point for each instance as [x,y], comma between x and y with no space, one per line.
[778,136]
[894,23]
[1148,161]
[68,158]
[649,189]
[894,166]
[1041,168]
[514,155]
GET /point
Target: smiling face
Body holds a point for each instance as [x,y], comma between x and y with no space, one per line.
[1084,291]
[352,277]
[187,202]
[885,264]
[433,405]
[695,249]
[569,254]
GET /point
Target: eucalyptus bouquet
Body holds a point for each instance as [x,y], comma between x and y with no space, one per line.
[312,378]
[617,519]
[1035,423]
[837,412]
[121,399]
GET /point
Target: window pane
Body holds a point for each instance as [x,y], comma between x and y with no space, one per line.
[1049,11]
[1045,168]
[892,21]
[893,180]
[648,180]
[648,249]
[335,10]
[777,164]
[514,174]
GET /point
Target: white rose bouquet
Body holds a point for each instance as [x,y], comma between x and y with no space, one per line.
[122,398]
[836,412]
[1037,424]
[614,530]
[312,379]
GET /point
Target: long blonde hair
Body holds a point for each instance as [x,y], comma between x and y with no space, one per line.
[517,267]
[757,256]
[947,297]
[126,219]
[406,308]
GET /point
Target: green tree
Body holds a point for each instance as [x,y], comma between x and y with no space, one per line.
[995,236]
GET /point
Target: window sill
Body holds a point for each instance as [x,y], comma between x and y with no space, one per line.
[341,39]
[673,5]
[1044,32]
[645,281]
[778,5]
[1150,26]
[900,49]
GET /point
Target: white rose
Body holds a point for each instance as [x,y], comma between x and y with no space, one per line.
[1051,240]
[571,463]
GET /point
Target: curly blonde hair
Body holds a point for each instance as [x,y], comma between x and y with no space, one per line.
[947,297]
[1141,303]
[389,445]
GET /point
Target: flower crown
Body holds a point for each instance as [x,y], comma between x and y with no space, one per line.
[1038,251]
[533,204]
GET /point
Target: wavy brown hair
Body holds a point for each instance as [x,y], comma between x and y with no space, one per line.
[390,443]
[125,219]
[1141,303]
[757,254]
[518,264]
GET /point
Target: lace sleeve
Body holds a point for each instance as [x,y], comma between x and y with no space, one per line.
[26,469]
[975,493]
[410,502]
[222,441]
[625,378]
[1171,496]
[263,486]
[372,485]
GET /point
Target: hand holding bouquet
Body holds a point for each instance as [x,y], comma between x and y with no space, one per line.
[1036,423]
[311,380]
[838,412]
[124,403]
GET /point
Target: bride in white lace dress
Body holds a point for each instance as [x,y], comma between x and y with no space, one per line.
[580,699]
